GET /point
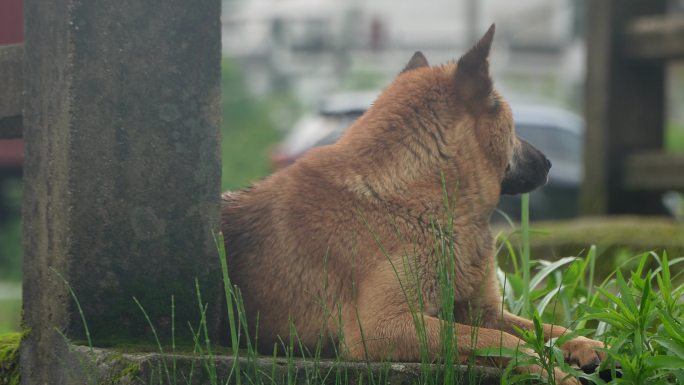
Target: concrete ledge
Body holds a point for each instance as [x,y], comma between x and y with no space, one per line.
[111,367]
[654,171]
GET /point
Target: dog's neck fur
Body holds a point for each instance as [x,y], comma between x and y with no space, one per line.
[415,177]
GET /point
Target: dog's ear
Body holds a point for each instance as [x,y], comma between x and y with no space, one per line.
[418,60]
[472,71]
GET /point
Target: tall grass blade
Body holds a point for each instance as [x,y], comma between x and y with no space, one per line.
[525,224]
[78,306]
[156,339]
[228,291]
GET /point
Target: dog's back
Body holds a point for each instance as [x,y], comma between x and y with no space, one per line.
[284,236]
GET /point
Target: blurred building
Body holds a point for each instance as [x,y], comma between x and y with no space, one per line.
[315,46]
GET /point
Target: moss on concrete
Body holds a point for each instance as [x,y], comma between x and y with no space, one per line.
[124,371]
[9,358]
[617,239]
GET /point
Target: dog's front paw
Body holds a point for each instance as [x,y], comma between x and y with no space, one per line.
[582,351]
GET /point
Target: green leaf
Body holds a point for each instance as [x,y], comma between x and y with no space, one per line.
[612,318]
[548,269]
[538,328]
[642,265]
[665,362]
[671,326]
[666,270]
[675,348]
[541,306]
[644,305]
[665,292]
[626,294]
[679,375]
[628,315]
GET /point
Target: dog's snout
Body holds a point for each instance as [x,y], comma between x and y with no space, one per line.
[530,170]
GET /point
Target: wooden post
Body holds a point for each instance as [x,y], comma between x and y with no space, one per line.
[624,108]
[122,173]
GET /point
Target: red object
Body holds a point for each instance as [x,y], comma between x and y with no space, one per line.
[11,21]
[11,153]
[11,32]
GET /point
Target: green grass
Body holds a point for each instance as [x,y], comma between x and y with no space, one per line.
[639,317]
[674,137]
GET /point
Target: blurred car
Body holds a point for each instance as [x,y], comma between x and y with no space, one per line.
[557,133]
[334,115]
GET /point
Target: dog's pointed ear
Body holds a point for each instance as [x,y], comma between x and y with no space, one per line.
[418,60]
[472,71]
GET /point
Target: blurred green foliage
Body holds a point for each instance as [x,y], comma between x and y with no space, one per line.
[10,308]
[249,128]
[674,137]
[10,229]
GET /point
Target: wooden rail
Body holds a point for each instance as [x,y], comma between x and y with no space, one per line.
[654,171]
[11,79]
[655,37]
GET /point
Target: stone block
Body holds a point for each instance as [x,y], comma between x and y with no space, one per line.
[122,171]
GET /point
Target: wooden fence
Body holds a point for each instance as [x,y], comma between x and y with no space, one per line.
[629,44]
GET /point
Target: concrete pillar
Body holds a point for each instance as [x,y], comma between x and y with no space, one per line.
[122,171]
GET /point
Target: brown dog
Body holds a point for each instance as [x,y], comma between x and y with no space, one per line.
[322,244]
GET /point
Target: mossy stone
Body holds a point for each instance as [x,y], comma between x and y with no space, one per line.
[10,373]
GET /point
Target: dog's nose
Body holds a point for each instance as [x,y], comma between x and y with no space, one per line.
[548,163]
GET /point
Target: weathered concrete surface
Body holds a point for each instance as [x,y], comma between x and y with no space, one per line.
[11,68]
[109,367]
[122,170]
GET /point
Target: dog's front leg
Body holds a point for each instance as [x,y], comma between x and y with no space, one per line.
[397,337]
[376,336]
[379,325]
[580,351]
